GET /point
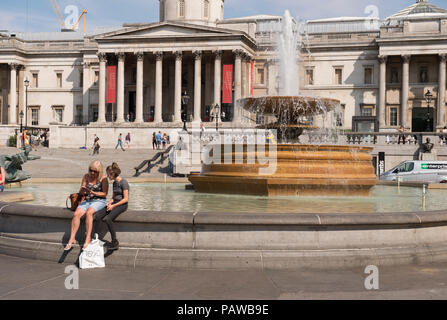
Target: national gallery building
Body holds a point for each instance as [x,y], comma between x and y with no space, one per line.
[193,59]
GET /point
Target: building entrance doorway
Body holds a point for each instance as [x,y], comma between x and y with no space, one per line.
[132,106]
[422,120]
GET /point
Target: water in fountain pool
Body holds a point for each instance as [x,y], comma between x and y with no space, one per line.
[174,198]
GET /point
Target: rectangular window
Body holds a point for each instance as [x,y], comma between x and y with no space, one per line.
[81,79]
[368,75]
[423,75]
[394,75]
[338,76]
[393,116]
[35,82]
[309,76]
[340,116]
[367,110]
[79,109]
[58,112]
[260,76]
[34,116]
[59,80]
[96,78]
[93,114]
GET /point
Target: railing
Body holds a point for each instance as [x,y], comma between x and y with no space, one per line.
[160,155]
[387,138]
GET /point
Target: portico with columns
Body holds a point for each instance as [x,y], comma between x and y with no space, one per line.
[156,71]
[403,82]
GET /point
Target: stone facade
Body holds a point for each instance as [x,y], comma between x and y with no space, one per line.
[379,70]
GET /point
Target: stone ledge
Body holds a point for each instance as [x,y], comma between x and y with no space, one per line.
[232,259]
[415,219]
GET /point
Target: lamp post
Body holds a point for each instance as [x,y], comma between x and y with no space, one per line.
[21,120]
[26,102]
[185,100]
[428,98]
[216,115]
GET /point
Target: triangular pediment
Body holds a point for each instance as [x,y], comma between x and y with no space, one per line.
[165,30]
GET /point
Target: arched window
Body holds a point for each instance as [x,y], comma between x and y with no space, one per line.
[181,8]
[206,9]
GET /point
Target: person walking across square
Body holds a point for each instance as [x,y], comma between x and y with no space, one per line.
[120,142]
[127,140]
[158,140]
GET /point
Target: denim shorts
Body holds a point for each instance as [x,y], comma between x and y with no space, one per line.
[96,204]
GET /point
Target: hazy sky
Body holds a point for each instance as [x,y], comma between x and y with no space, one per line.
[38,15]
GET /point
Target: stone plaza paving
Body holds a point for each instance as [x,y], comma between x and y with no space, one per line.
[31,279]
[72,164]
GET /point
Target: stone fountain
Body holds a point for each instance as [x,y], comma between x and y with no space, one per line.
[301,170]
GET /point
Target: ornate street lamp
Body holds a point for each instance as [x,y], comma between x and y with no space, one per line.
[185,100]
[428,98]
[216,115]
[26,102]
[21,120]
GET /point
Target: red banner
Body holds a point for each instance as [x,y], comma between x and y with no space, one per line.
[252,78]
[111,84]
[227,84]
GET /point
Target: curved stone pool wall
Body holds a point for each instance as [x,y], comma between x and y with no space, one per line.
[231,240]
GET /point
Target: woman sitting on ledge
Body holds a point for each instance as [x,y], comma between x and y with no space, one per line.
[115,206]
[95,187]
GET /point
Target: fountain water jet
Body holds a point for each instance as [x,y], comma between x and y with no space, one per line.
[300,169]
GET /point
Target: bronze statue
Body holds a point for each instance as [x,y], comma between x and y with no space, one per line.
[427,146]
[13,165]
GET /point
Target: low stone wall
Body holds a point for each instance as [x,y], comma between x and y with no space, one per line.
[76,137]
[231,240]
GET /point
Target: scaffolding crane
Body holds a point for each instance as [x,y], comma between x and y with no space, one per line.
[84,13]
[58,13]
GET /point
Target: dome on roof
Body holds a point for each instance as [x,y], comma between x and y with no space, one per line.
[420,9]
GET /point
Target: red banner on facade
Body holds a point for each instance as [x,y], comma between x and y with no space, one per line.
[111,84]
[252,78]
[227,84]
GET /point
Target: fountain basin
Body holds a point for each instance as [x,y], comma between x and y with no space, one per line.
[291,107]
[299,170]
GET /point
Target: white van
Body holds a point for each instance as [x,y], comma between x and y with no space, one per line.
[418,171]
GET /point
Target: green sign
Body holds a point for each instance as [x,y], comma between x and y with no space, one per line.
[433,166]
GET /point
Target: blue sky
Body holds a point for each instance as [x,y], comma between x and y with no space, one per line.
[38,15]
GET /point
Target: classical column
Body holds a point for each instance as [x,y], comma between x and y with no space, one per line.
[85,91]
[102,88]
[120,88]
[405,88]
[197,86]
[217,79]
[382,92]
[237,84]
[178,87]
[13,94]
[139,93]
[158,86]
[244,75]
[441,100]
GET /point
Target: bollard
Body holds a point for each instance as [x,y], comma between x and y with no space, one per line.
[165,178]
[423,197]
[398,185]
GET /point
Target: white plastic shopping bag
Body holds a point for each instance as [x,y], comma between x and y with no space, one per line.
[93,255]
